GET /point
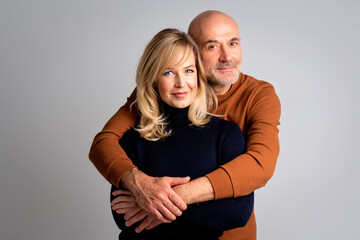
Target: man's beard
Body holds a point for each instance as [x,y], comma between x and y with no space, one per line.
[222,79]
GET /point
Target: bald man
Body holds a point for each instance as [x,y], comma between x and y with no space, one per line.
[250,103]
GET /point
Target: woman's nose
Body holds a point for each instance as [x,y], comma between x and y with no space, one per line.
[180,81]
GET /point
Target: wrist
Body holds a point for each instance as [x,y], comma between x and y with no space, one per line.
[196,191]
[128,179]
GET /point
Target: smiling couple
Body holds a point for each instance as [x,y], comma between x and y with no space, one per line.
[179,171]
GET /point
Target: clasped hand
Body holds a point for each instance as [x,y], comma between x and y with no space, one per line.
[150,199]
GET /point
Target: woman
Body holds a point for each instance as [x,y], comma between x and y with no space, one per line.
[176,136]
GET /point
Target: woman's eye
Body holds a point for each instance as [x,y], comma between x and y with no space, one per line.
[189,71]
[168,73]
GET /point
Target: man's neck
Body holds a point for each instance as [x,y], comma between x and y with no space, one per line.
[220,89]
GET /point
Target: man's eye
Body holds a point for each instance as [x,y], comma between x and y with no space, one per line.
[212,46]
[233,43]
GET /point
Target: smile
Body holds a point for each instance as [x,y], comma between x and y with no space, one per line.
[180,94]
[226,69]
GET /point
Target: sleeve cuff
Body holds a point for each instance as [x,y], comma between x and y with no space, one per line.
[117,171]
[221,184]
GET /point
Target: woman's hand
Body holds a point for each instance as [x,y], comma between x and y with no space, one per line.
[155,195]
[126,204]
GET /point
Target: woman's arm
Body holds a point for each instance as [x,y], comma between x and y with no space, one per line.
[222,215]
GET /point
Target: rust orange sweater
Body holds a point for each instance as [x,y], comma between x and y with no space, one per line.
[250,103]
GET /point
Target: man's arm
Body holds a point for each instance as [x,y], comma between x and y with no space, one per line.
[255,167]
[252,170]
[105,152]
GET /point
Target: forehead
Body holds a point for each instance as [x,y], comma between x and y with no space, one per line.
[215,29]
[181,56]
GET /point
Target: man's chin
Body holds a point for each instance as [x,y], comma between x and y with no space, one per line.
[223,81]
[225,78]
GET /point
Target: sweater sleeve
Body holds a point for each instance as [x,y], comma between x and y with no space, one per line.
[105,153]
[229,213]
[128,143]
[253,169]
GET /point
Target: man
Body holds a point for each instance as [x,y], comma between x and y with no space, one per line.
[250,103]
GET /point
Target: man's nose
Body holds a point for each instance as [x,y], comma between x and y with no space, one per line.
[225,55]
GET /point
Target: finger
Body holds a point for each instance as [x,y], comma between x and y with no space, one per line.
[121,192]
[132,212]
[166,213]
[138,217]
[122,210]
[157,214]
[122,199]
[172,208]
[123,205]
[153,224]
[146,223]
[177,201]
[178,180]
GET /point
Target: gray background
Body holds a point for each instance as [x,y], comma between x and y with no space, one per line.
[67,66]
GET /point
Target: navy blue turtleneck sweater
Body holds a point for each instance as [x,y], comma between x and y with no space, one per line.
[189,151]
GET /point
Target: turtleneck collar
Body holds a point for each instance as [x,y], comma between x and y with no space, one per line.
[176,116]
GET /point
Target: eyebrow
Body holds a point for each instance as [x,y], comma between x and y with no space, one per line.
[235,39]
[211,41]
[170,69]
[216,41]
[192,65]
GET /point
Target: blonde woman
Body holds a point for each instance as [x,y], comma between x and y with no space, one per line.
[176,136]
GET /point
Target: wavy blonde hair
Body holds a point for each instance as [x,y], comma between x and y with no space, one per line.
[163,48]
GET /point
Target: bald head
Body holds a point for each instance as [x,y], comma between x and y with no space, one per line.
[217,36]
[208,20]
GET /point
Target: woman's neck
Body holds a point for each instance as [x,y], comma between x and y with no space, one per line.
[176,116]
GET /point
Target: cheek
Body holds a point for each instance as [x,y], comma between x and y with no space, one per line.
[208,60]
[194,84]
[238,56]
[163,87]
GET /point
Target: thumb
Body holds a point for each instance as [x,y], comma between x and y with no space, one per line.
[178,180]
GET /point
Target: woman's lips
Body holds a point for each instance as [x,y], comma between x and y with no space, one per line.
[180,94]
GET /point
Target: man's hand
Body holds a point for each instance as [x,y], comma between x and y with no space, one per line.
[125,203]
[155,195]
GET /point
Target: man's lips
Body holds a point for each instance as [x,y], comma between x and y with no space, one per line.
[180,94]
[225,68]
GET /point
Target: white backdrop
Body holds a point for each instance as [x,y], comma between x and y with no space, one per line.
[67,66]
